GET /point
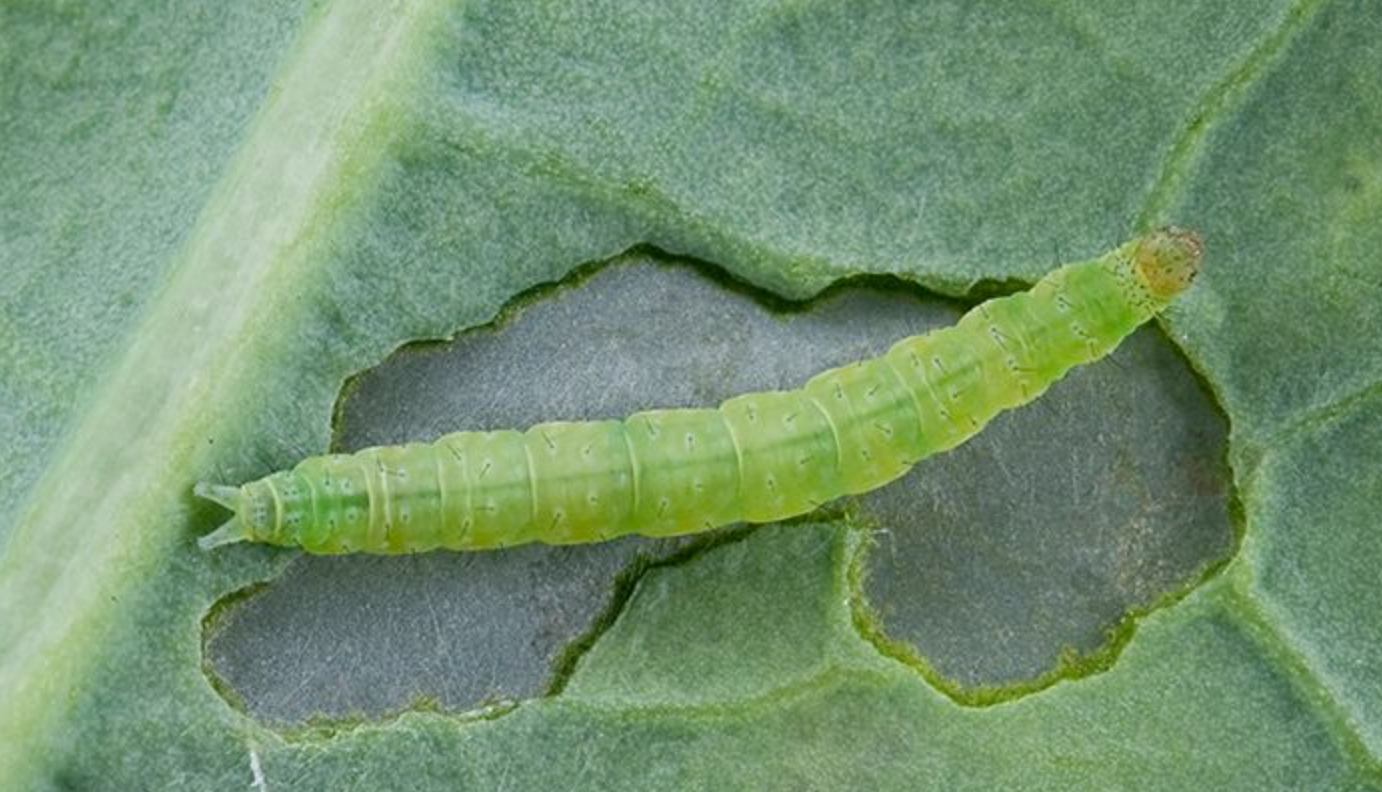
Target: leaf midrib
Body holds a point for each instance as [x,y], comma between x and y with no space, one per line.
[103,511]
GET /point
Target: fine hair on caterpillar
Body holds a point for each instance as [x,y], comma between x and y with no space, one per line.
[758,457]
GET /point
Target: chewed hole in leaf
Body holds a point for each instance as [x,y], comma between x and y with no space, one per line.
[1016,558]
[345,637]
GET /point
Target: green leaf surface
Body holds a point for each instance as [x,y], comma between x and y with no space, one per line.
[212,216]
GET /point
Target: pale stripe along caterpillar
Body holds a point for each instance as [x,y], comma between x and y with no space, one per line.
[757,458]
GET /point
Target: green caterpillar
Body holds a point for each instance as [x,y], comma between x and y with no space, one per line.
[758,458]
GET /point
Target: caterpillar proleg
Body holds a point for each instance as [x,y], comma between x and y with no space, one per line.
[759,457]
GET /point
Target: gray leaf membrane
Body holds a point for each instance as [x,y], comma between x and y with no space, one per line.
[1035,537]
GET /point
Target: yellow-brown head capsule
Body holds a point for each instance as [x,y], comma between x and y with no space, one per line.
[1167,260]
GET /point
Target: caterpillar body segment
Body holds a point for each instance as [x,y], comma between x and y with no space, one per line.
[758,457]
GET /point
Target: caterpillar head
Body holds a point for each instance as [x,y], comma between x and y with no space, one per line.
[1167,260]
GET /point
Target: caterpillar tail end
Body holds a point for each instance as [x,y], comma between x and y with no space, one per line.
[232,530]
[217,493]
